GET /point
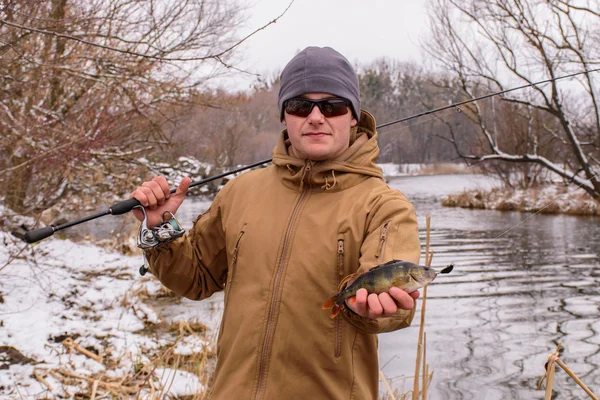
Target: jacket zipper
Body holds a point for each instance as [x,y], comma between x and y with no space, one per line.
[382,240]
[272,316]
[229,280]
[337,327]
[234,260]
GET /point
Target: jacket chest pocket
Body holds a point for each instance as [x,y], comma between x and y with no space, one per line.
[339,275]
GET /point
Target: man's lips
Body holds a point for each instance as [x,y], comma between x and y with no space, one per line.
[315,134]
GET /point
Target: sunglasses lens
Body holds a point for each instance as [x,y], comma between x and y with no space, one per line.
[328,107]
[333,108]
[298,107]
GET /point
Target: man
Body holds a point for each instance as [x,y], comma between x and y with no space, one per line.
[280,239]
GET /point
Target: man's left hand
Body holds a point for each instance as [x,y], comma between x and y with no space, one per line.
[381,305]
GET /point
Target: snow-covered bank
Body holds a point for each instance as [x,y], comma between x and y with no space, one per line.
[76,319]
[545,199]
[391,170]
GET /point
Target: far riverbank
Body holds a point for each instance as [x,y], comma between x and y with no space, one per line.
[547,199]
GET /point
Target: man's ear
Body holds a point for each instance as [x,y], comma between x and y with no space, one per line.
[353,122]
[283,121]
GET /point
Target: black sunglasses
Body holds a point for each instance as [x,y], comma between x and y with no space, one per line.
[330,107]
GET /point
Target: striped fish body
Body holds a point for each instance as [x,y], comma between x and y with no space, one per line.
[402,274]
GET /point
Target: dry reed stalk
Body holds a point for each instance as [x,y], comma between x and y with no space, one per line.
[427,228]
[109,386]
[576,379]
[94,389]
[551,370]
[71,344]
[425,367]
[420,347]
[167,388]
[541,381]
[550,378]
[42,379]
[386,384]
[427,382]
[56,376]
[415,394]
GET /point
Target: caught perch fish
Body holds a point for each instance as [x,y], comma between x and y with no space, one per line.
[402,274]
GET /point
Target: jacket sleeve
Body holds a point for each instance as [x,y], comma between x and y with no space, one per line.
[195,265]
[393,234]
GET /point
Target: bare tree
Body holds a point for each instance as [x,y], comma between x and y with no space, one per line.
[87,87]
[493,45]
[242,130]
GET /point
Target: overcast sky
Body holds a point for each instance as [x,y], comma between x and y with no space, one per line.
[362,30]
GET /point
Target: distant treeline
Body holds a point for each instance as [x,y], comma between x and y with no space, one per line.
[244,127]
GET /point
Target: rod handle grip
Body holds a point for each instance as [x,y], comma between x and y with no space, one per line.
[124,206]
[39,234]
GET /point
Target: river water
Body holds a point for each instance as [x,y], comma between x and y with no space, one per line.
[522,283]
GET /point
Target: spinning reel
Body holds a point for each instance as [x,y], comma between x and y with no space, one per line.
[151,237]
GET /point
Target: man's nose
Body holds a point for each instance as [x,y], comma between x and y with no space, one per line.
[315,115]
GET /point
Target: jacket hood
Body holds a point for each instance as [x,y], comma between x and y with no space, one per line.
[353,166]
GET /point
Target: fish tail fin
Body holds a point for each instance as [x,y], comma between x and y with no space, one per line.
[335,310]
[330,303]
[448,269]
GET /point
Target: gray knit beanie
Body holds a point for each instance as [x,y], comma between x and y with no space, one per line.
[319,70]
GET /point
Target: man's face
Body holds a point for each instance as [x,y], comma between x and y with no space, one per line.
[316,137]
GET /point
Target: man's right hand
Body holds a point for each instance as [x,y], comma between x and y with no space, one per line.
[155,196]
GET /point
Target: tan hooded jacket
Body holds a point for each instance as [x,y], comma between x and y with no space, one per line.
[278,240]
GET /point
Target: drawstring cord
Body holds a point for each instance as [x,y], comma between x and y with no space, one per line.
[327,186]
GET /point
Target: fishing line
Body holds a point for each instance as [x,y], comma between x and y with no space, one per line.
[126,206]
[419,122]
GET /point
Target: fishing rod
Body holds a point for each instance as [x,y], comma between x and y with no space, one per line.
[126,206]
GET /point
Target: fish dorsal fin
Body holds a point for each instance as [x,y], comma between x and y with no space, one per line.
[387,264]
[347,281]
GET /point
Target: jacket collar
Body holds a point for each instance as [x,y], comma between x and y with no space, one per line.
[353,166]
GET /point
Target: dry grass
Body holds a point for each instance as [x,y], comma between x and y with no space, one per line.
[140,379]
[472,199]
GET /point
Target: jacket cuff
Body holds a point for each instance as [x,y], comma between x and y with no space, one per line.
[362,324]
[152,253]
[400,320]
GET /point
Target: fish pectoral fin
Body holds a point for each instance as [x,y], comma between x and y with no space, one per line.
[348,280]
[335,311]
[329,303]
